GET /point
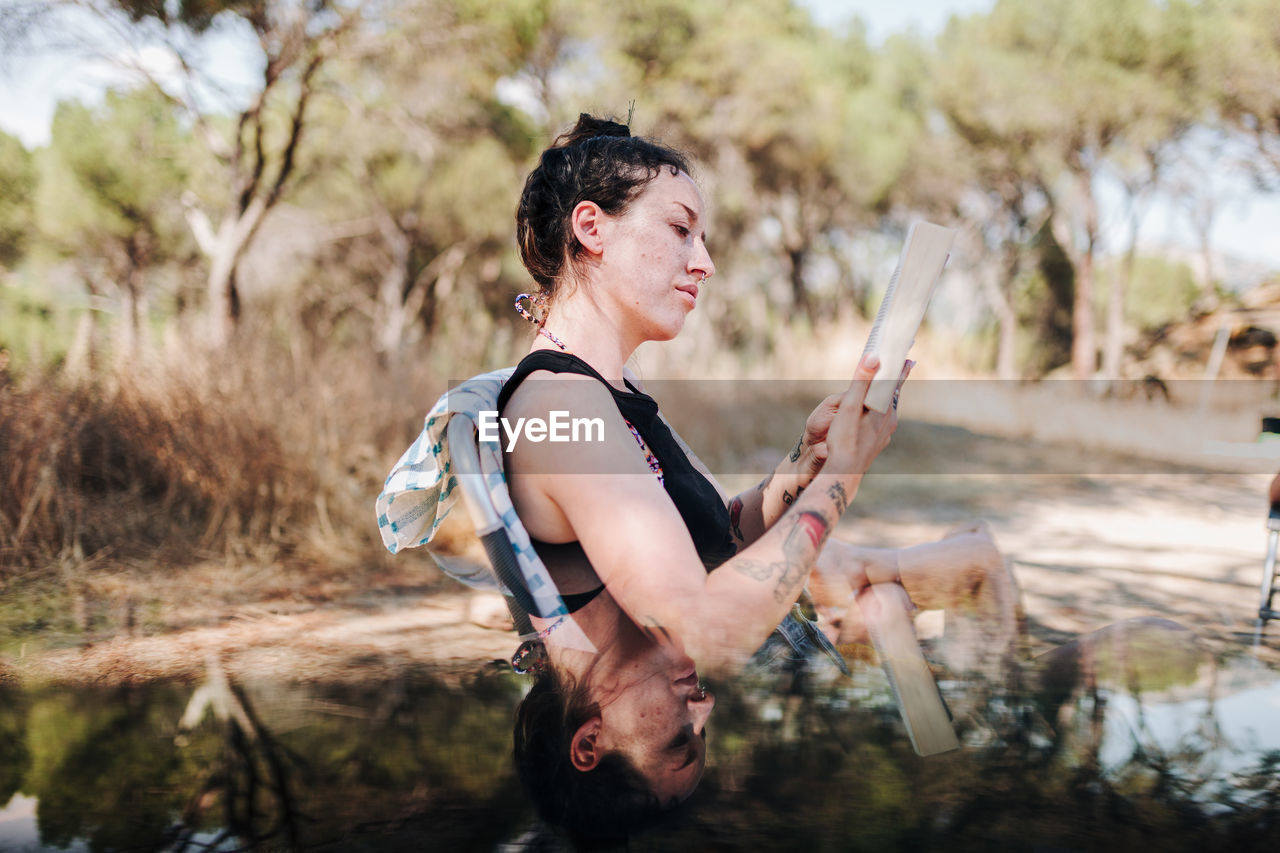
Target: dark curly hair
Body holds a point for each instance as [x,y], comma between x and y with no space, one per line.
[598,160]
[597,808]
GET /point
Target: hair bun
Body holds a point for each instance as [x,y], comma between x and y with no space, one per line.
[590,127]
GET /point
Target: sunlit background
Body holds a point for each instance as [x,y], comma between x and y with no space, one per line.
[244,244]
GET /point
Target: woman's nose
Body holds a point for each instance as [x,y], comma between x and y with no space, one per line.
[701,262]
[701,710]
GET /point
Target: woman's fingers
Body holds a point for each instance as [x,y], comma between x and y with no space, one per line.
[856,394]
[858,434]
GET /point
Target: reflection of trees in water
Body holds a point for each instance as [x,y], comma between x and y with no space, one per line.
[253,781]
[834,771]
[411,757]
[272,766]
[14,755]
[795,765]
[100,767]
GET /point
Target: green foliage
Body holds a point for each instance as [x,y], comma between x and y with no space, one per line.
[469,195]
[1160,291]
[1242,56]
[111,180]
[419,127]
[36,321]
[98,767]
[17,197]
[111,767]
[196,15]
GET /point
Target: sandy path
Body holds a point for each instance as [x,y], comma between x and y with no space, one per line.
[1087,550]
[1096,549]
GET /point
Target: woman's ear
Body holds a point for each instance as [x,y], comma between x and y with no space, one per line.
[584,751]
[588,222]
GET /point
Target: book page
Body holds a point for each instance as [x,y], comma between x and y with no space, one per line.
[901,311]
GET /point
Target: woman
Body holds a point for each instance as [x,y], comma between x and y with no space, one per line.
[660,569]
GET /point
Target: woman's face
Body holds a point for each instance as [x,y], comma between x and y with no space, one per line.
[658,719]
[656,256]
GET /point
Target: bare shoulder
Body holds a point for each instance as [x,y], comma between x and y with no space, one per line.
[543,390]
[564,423]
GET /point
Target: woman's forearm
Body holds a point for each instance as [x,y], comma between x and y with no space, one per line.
[752,592]
[758,509]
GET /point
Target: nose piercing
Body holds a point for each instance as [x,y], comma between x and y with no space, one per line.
[703,279]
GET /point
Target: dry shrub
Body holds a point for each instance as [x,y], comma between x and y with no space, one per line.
[118,465]
[258,457]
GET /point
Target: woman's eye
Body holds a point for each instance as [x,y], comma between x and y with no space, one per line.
[681,230]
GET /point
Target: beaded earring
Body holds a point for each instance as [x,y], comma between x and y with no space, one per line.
[539,302]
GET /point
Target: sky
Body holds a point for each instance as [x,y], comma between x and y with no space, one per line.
[32,84]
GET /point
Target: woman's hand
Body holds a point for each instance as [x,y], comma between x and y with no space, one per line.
[856,435]
[810,453]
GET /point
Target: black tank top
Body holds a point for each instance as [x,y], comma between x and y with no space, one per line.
[697,500]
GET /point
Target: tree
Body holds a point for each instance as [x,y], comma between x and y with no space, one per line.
[17,197]
[108,197]
[1243,55]
[805,131]
[998,168]
[1055,89]
[428,156]
[1170,82]
[257,150]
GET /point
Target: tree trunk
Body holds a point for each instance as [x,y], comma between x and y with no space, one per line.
[129,325]
[1113,345]
[799,293]
[224,249]
[82,356]
[392,315]
[1084,354]
[1084,351]
[1113,349]
[1007,317]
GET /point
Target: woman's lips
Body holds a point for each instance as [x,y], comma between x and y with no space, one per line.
[691,290]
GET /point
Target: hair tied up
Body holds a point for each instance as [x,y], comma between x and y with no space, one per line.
[589,127]
[597,160]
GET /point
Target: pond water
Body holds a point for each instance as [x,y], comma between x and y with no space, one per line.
[1127,752]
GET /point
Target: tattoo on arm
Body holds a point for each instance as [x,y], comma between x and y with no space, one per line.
[788,498]
[798,549]
[735,519]
[795,451]
[755,570]
[764,484]
[801,544]
[840,496]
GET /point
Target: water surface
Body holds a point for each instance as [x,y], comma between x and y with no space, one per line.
[1106,753]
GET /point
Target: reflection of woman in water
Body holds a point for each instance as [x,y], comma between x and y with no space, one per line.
[658,566]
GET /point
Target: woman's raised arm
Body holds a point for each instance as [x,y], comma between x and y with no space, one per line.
[603,495]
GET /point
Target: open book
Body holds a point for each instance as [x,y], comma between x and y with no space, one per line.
[919,267]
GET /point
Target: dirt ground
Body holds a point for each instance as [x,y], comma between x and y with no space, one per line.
[1087,549]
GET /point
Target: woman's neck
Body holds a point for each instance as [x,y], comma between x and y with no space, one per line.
[617,639]
[589,332]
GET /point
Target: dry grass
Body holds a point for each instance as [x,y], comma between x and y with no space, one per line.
[150,498]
